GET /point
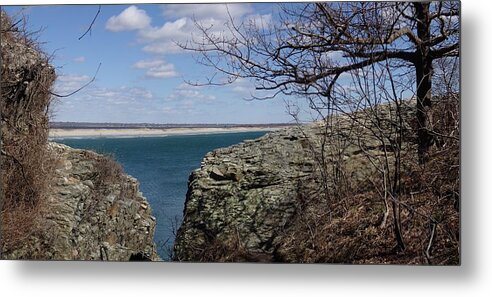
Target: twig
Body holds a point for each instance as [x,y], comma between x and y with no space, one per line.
[427,251]
[79,89]
[13,27]
[23,172]
[92,23]
[442,135]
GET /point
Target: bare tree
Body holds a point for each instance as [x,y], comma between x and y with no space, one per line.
[349,58]
[311,47]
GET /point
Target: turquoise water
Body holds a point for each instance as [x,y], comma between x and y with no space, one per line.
[162,166]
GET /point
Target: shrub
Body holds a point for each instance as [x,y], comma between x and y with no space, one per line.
[26,163]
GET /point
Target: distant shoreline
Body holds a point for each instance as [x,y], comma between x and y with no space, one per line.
[147,132]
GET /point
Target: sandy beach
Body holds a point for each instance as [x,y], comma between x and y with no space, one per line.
[139,132]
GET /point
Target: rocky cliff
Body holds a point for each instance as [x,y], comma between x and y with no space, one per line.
[246,191]
[58,203]
[94,212]
[270,199]
[244,197]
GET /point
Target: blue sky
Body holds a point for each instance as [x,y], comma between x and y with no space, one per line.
[142,75]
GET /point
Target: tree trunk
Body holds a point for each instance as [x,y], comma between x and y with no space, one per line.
[423,68]
[424,105]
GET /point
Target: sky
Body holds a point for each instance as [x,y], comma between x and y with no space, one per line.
[143,74]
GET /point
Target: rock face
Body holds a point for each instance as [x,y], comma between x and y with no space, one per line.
[89,218]
[245,191]
[244,197]
[57,202]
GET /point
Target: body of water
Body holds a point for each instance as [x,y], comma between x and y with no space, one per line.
[162,166]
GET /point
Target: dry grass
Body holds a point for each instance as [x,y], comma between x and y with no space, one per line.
[353,225]
[26,163]
[350,229]
[107,172]
[231,249]
[109,178]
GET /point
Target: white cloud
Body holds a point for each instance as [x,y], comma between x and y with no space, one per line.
[168,30]
[202,11]
[164,47]
[242,86]
[101,104]
[104,93]
[165,39]
[247,89]
[180,25]
[129,19]
[139,92]
[188,95]
[80,59]
[123,95]
[73,78]
[162,71]
[70,82]
[143,64]
[261,21]
[156,68]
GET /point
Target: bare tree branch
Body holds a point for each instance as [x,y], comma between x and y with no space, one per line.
[81,88]
[89,29]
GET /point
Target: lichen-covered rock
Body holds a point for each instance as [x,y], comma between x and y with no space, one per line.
[243,198]
[246,191]
[87,218]
[57,202]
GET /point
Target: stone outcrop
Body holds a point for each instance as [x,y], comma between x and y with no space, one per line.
[247,190]
[58,203]
[244,197]
[88,218]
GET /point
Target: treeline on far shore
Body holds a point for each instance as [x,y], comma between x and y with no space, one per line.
[84,125]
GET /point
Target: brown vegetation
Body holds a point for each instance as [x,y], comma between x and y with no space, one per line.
[353,226]
[396,199]
[345,212]
[109,176]
[26,163]
[107,172]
